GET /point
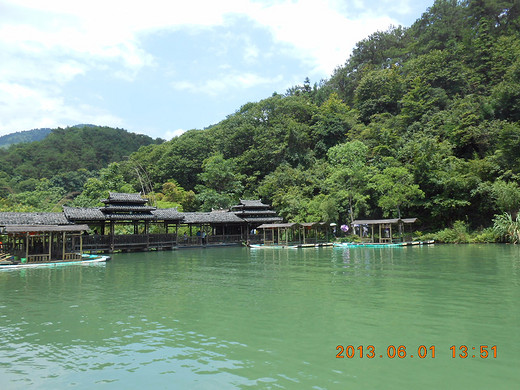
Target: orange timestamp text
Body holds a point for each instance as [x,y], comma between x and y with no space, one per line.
[422,352]
[391,351]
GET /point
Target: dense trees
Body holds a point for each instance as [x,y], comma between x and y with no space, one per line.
[421,121]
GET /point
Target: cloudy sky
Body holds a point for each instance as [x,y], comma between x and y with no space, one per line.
[160,67]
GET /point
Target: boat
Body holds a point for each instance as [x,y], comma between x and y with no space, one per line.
[382,245]
[263,246]
[85,260]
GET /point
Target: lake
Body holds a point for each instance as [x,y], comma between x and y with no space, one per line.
[239,318]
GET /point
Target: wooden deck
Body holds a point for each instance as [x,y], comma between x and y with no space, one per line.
[144,242]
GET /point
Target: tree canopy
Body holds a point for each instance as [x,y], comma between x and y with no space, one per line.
[420,121]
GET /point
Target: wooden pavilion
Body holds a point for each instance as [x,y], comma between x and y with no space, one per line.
[41,237]
[383,228]
[255,213]
[299,234]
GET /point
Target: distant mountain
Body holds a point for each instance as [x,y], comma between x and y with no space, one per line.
[65,150]
[23,137]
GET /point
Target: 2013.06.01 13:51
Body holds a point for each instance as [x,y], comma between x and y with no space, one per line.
[483,351]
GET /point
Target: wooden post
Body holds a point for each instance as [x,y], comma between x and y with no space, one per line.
[27,246]
[80,244]
[146,230]
[63,246]
[112,233]
[50,246]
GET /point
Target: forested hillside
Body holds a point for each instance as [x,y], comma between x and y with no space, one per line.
[421,121]
[23,136]
[37,175]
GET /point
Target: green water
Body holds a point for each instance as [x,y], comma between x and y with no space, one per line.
[238,318]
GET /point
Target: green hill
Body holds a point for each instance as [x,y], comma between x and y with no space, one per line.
[67,150]
[422,121]
[23,137]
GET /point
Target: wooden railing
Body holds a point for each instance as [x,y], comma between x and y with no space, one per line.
[72,256]
[41,258]
[151,241]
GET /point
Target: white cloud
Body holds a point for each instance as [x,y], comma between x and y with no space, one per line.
[47,44]
[174,133]
[23,108]
[229,81]
[319,32]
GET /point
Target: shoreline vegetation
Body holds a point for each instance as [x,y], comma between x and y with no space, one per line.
[422,121]
[505,229]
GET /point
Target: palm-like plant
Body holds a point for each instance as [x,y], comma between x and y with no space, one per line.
[507,227]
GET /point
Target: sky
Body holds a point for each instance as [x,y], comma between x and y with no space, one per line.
[160,67]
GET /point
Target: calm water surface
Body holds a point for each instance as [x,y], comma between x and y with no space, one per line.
[236,318]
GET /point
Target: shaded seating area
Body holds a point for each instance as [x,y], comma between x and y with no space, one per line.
[384,231]
[300,234]
[44,243]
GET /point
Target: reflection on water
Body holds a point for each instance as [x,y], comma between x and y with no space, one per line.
[266,318]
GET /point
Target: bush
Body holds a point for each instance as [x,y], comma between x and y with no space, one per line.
[507,228]
[456,235]
[486,236]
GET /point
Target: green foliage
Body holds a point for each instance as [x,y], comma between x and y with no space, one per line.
[507,227]
[379,91]
[348,181]
[69,150]
[110,179]
[220,186]
[422,121]
[395,184]
[457,235]
[44,197]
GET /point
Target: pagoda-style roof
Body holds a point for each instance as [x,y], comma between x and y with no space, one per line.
[132,207]
[255,212]
[251,204]
[123,208]
[99,214]
[119,197]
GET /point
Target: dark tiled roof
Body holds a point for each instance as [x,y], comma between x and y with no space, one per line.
[130,217]
[278,225]
[120,207]
[254,204]
[168,214]
[45,228]
[245,213]
[84,214]
[263,220]
[14,218]
[213,217]
[118,197]
[95,214]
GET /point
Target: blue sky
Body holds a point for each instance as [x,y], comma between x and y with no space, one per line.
[163,67]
